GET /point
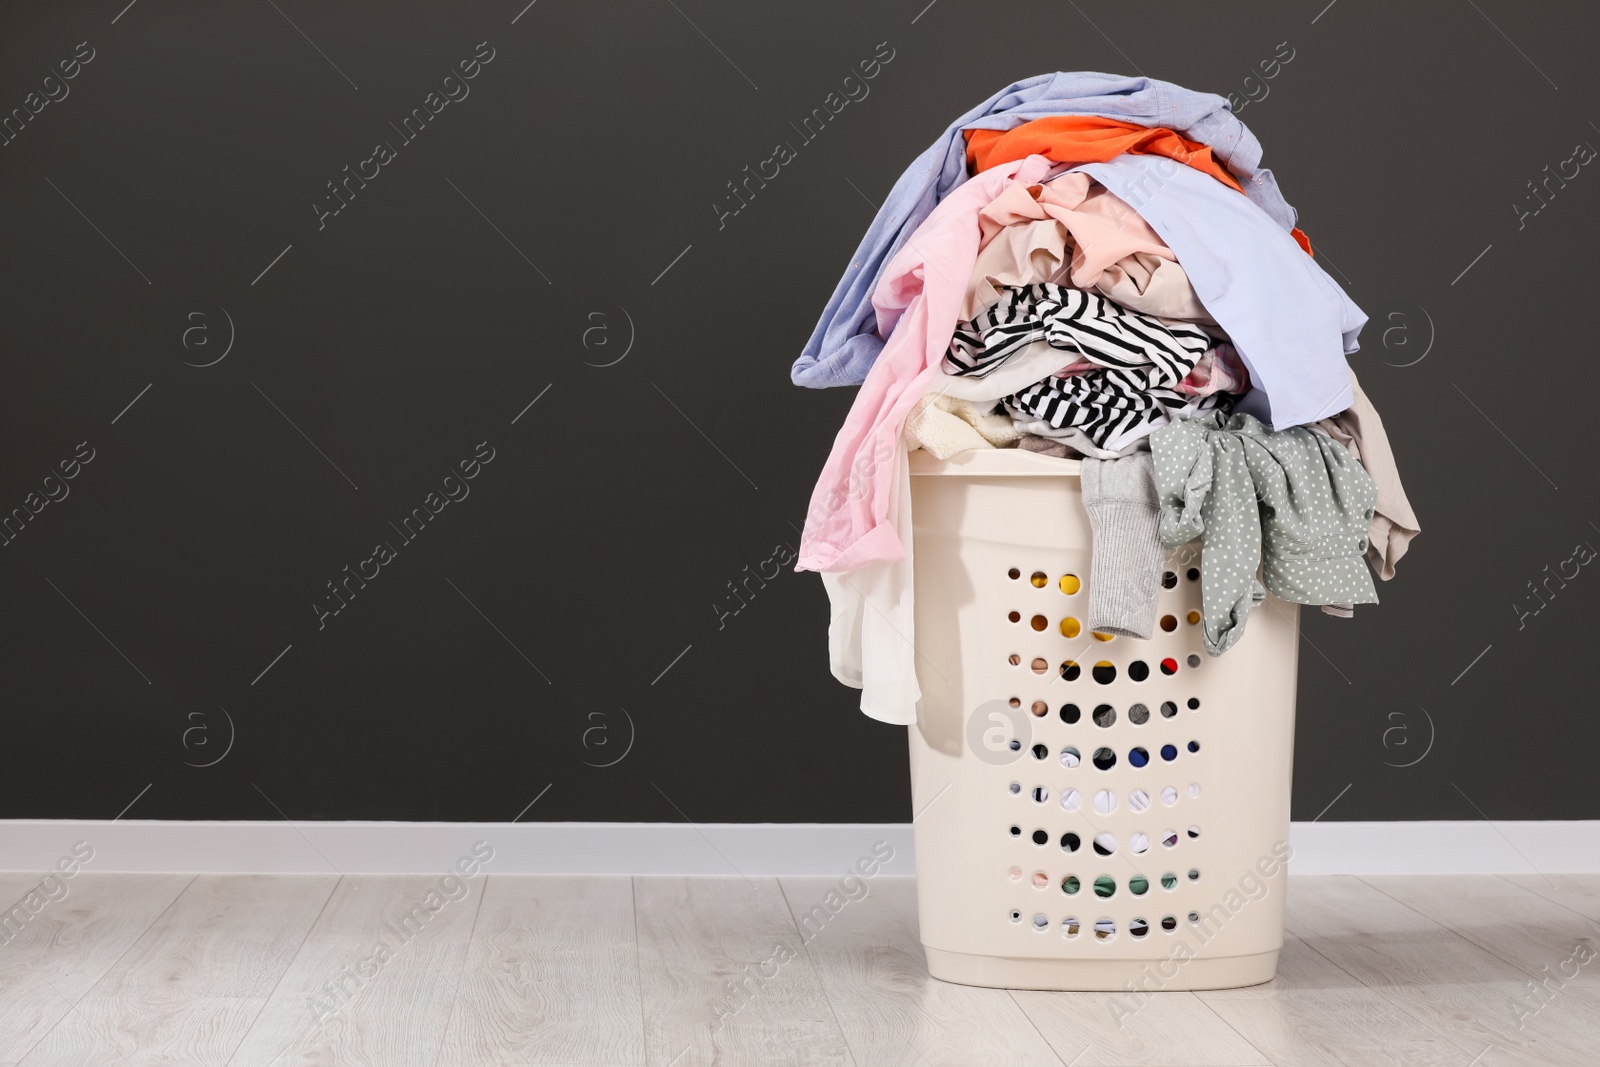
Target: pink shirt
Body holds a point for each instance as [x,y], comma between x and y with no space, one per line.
[919,299]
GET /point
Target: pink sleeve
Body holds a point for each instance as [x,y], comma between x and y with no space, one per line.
[847,523]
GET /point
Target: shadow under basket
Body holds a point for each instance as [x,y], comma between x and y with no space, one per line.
[1087,812]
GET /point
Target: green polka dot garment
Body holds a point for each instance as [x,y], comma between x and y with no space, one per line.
[1294,503]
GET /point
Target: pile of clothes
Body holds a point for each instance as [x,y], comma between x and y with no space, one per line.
[1098,268]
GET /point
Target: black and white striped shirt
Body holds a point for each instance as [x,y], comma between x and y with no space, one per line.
[1143,359]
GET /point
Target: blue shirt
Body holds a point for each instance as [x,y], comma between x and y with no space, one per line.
[1291,323]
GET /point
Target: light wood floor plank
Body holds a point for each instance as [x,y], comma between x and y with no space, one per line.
[1420,972]
[1579,892]
[551,975]
[191,985]
[373,982]
[1170,1029]
[1304,1016]
[52,958]
[1458,990]
[725,978]
[1514,923]
[870,960]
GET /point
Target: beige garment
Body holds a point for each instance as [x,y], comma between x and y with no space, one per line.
[1394,524]
[946,425]
[1027,241]
[1155,286]
[1024,253]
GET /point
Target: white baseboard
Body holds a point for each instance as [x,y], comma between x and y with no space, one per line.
[728,849]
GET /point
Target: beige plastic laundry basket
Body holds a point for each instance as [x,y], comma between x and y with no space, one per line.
[1048,857]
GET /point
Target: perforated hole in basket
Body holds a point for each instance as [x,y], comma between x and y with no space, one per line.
[1163,657]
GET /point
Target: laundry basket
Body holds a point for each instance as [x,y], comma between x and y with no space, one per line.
[1087,813]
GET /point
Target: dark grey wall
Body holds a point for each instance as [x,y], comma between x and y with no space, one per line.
[565,608]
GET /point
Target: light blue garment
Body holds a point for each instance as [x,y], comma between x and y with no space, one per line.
[1291,323]
[845,343]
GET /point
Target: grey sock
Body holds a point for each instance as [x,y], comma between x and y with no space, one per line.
[1125,516]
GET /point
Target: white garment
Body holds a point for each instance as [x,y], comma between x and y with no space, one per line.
[946,425]
[1073,437]
[871,629]
[1034,363]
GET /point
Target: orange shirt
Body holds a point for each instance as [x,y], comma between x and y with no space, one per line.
[1077,139]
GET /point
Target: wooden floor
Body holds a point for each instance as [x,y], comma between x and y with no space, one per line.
[281,970]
